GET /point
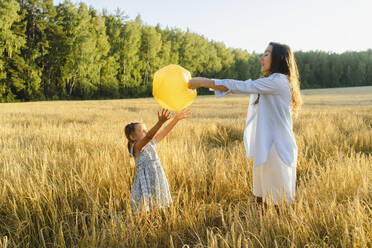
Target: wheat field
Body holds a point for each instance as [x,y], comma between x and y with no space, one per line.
[66,176]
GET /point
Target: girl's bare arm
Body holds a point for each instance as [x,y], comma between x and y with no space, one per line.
[163,116]
[179,116]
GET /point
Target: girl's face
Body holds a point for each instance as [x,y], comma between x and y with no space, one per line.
[140,132]
[266,61]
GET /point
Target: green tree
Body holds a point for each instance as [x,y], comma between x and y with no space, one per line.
[149,52]
[37,16]
[75,41]
[227,60]
[125,42]
[11,40]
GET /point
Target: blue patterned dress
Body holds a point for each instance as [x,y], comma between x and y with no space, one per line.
[150,187]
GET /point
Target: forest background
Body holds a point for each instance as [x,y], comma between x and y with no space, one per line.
[72,52]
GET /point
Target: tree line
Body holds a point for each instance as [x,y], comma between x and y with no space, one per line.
[70,51]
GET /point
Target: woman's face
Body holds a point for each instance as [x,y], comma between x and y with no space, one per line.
[266,60]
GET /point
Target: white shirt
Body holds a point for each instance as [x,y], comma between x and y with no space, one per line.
[269,121]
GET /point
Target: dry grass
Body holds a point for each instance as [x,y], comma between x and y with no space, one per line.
[66,177]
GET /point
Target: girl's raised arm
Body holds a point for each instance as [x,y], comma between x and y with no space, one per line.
[163,116]
[179,116]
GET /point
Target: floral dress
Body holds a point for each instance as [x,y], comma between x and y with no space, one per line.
[150,187]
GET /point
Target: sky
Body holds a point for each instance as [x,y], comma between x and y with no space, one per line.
[327,25]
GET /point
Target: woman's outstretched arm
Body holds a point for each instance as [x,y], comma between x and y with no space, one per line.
[267,85]
[198,82]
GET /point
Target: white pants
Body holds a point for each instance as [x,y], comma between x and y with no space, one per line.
[274,181]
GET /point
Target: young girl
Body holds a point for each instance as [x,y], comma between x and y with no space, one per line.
[268,134]
[150,186]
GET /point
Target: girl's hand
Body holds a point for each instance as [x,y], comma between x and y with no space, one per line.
[183,114]
[164,115]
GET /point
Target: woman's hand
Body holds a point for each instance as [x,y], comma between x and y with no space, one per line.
[183,114]
[193,84]
[196,82]
[164,115]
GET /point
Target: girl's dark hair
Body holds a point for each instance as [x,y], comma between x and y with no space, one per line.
[129,129]
[283,61]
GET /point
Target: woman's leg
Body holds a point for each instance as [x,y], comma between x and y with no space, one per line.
[262,206]
[259,200]
[258,187]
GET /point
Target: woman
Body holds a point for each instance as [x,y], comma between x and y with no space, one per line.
[268,134]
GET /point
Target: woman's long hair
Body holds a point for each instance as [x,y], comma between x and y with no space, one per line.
[283,61]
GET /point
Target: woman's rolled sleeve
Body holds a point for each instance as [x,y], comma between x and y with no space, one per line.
[219,93]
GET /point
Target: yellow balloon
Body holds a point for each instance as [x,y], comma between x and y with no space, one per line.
[170,87]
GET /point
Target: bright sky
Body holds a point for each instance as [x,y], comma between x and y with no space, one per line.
[327,25]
